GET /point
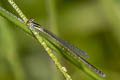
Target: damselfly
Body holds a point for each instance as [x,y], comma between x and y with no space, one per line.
[72,49]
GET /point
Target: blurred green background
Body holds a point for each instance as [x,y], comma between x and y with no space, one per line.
[93,25]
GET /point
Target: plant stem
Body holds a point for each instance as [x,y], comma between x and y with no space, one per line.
[40,39]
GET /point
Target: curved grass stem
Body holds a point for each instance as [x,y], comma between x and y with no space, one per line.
[41,41]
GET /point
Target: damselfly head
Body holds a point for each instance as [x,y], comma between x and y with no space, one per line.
[30,21]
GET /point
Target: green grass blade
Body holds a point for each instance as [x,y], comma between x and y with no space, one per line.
[79,64]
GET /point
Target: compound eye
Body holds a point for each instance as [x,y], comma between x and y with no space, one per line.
[31,20]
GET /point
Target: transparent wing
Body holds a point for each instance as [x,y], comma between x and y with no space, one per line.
[70,47]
